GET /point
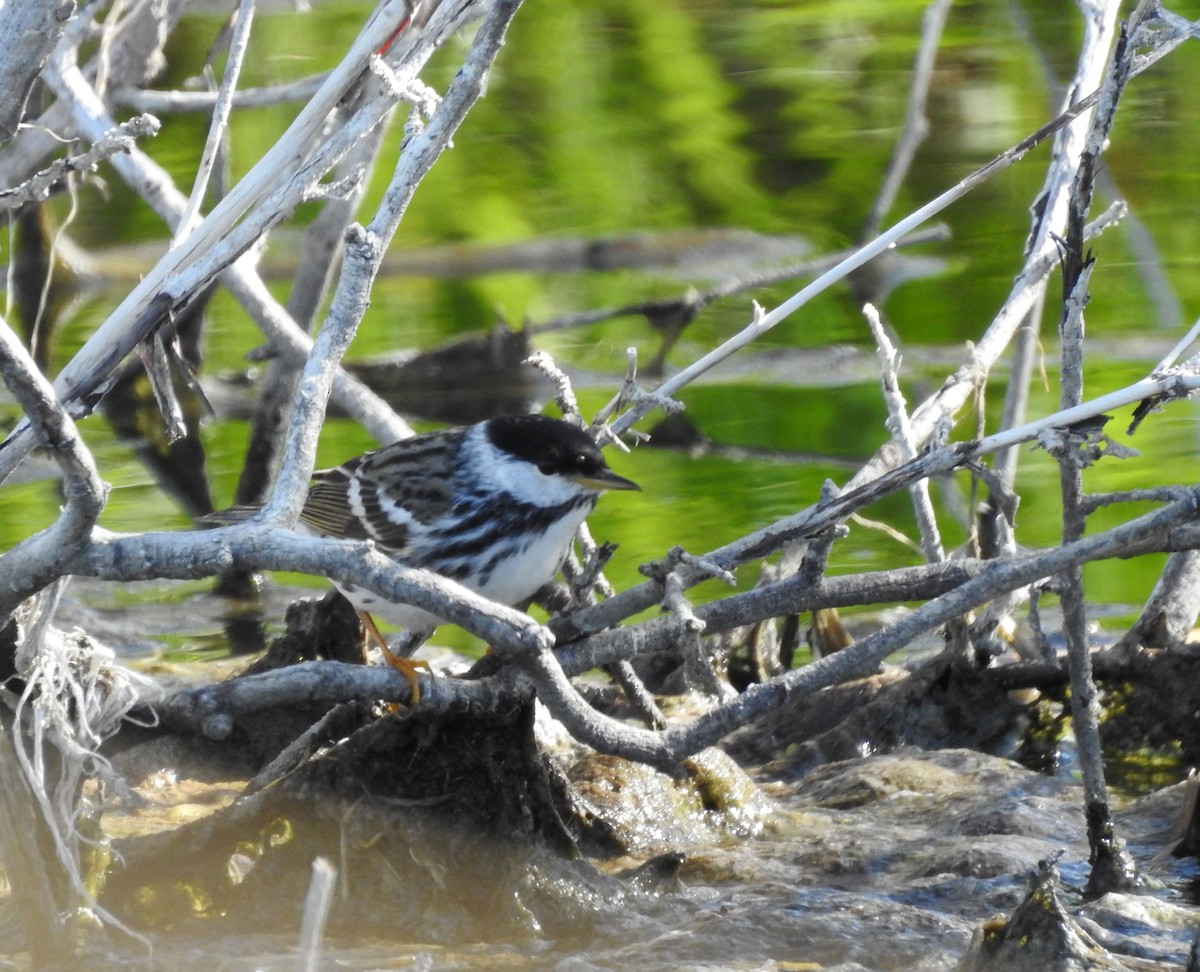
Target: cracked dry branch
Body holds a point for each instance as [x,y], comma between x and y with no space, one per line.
[900,427]
[39,187]
[41,559]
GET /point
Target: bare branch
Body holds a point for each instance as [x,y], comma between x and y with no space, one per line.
[854,661]
[916,125]
[902,434]
[273,187]
[29,31]
[220,118]
[948,399]
[34,563]
[39,187]
[366,248]
[183,102]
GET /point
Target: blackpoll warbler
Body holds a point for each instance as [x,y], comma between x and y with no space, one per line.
[493,506]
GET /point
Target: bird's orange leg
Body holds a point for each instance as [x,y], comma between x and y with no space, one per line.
[405,666]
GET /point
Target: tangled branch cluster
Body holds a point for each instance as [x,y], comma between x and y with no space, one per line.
[542,658]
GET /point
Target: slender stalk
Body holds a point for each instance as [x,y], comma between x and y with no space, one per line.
[916,124]
[25,865]
[220,119]
[316,913]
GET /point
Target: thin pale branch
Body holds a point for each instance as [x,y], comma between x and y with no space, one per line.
[38,188]
[184,102]
[34,563]
[901,431]
[916,125]
[220,118]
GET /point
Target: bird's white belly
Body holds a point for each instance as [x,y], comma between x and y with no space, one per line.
[512,581]
[522,573]
[404,615]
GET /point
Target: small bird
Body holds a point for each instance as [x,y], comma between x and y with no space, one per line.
[493,506]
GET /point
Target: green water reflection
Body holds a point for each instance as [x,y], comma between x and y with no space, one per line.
[777,117]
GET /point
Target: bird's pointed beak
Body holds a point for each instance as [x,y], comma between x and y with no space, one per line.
[606,479]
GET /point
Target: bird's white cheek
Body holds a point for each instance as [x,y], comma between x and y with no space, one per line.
[501,472]
[522,479]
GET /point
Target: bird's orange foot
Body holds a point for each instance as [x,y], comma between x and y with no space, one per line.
[405,666]
[409,668]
